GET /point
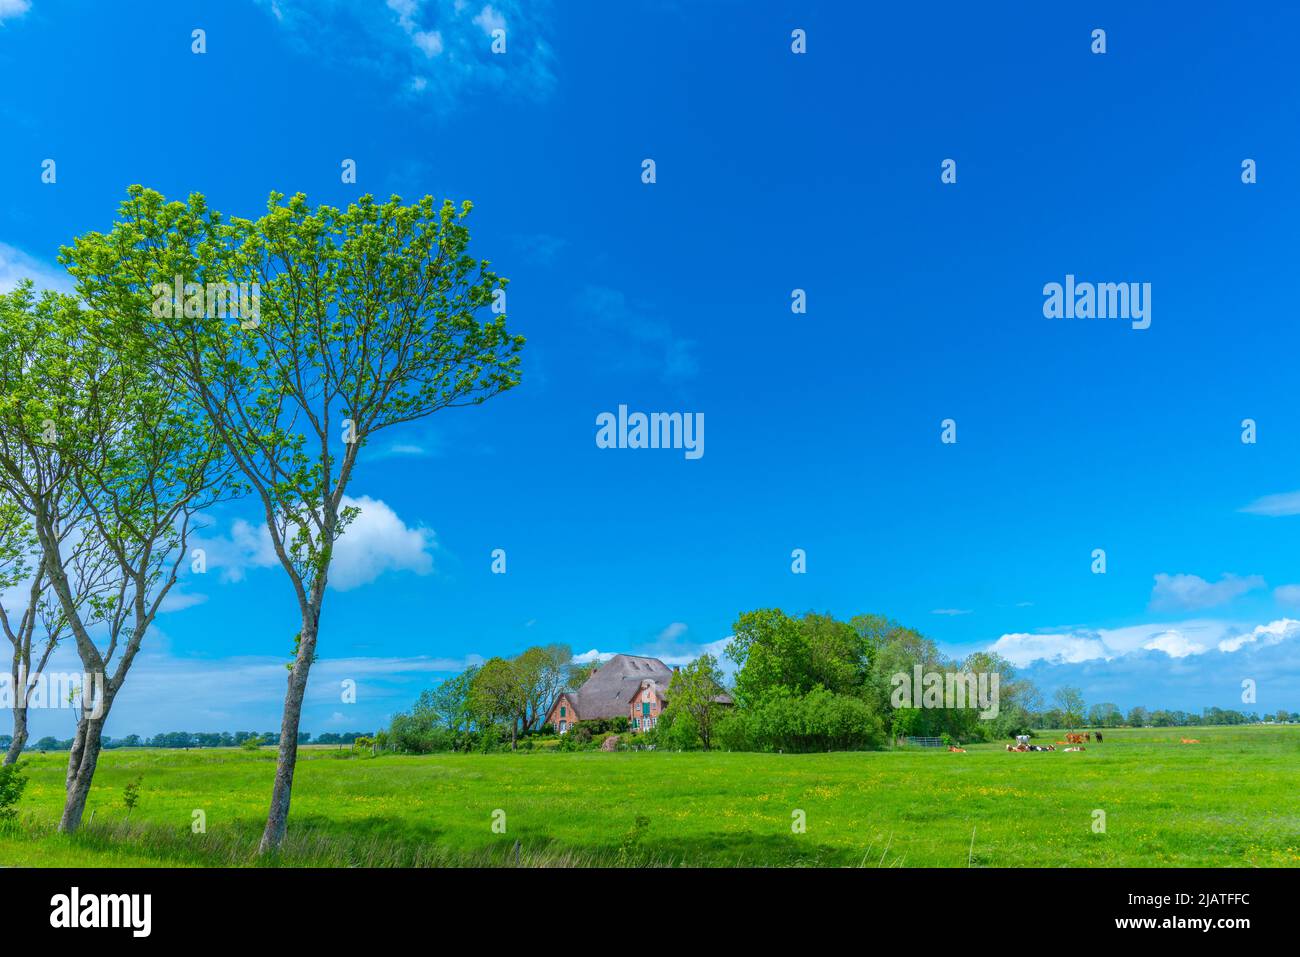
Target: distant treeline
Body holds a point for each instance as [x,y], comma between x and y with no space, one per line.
[1110,716]
[196,739]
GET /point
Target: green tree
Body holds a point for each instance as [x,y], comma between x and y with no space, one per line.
[541,671]
[92,443]
[774,650]
[1070,702]
[577,673]
[449,702]
[39,615]
[694,691]
[365,319]
[1104,715]
[498,696]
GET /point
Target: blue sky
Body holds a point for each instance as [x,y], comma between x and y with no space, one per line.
[775,171]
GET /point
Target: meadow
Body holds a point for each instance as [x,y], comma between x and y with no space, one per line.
[1230,801]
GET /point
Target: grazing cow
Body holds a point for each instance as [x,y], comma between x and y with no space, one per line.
[1099,737]
[1087,736]
[1190,741]
[1074,738]
[953,747]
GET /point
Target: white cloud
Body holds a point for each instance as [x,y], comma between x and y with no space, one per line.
[951,611]
[1175,644]
[1284,503]
[429,42]
[1287,594]
[1192,591]
[178,600]
[1175,639]
[406,11]
[16,265]
[672,632]
[490,19]
[377,541]
[1021,649]
[1262,636]
[403,450]
[681,656]
[9,9]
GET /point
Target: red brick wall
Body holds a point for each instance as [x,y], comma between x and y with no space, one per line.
[634,707]
[570,717]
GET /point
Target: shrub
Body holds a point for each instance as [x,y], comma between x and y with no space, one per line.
[411,734]
[676,733]
[617,724]
[131,794]
[733,732]
[12,783]
[817,721]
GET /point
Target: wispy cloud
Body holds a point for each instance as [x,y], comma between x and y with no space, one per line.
[636,340]
[951,611]
[1283,503]
[541,248]
[672,632]
[12,9]
[16,265]
[166,691]
[1278,505]
[1287,594]
[435,48]
[1191,592]
[178,600]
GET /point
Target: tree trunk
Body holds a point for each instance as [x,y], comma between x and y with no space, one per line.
[20,736]
[81,771]
[277,819]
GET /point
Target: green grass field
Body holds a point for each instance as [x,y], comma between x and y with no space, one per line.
[1230,801]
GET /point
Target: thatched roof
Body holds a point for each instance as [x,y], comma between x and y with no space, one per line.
[609,689]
